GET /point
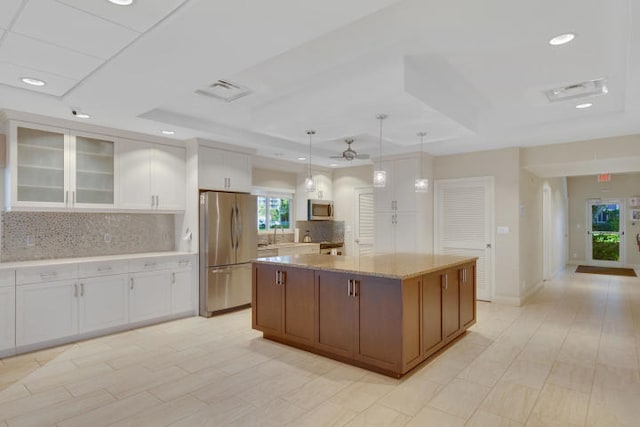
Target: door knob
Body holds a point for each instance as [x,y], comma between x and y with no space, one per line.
[488,245]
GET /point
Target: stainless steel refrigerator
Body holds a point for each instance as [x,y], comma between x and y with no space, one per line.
[228,244]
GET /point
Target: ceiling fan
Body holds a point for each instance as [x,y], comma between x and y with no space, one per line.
[350,154]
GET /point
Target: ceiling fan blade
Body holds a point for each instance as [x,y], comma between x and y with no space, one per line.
[362,156]
[336,157]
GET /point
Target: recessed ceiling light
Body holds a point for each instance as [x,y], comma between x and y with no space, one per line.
[32,81]
[585,105]
[122,2]
[302,158]
[83,116]
[562,39]
[168,132]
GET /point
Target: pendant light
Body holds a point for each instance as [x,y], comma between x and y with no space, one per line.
[422,183]
[309,183]
[380,176]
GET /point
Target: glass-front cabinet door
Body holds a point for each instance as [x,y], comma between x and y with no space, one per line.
[55,169]
[93,177]
[39,176]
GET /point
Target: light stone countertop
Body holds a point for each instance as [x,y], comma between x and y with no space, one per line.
[63,261]
[396,266]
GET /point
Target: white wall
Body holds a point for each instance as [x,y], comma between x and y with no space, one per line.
[274,179]
[504,166]
[345,182]
[530,232]
[582,188]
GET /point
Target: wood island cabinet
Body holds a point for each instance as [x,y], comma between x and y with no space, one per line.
[284,303]
[385,324]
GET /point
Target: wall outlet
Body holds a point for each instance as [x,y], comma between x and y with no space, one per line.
[575,255]
[107,238]
[29,241]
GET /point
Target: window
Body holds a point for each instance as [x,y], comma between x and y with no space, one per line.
[274,211]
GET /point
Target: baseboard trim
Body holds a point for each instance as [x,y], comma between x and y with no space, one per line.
[519,301]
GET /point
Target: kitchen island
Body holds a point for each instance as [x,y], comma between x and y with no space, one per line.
[386,313]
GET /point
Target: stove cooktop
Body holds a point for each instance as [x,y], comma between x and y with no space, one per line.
[331,245]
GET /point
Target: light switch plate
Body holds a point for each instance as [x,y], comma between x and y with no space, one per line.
[503,230]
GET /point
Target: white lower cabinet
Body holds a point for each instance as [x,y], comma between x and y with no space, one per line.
[7,317]
[150,295]
[181,292]
[103,302]
[46,311]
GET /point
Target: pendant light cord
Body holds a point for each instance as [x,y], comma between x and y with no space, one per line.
[421,135]
[310,133]
[380,117]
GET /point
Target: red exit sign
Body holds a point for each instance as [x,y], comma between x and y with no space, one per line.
[604,177]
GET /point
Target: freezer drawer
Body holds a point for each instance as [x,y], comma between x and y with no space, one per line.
[226,287]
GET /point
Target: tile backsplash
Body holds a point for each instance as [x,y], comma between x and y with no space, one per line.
[45,235]
[322,231]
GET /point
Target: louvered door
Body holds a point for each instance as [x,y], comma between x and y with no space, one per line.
[464,224]
[365,222]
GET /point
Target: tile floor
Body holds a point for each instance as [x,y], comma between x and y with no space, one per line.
[567,358]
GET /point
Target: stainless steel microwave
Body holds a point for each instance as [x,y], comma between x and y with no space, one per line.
[319,209]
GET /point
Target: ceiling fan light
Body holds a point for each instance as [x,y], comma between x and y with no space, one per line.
[379,178]
[422,185]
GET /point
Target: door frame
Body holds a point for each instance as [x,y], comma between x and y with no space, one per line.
[489,184]
[547,268]
[589,232]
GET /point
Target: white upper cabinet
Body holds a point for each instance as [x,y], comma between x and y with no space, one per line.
[53,169]
[399,193]
[223,170]
[152,177]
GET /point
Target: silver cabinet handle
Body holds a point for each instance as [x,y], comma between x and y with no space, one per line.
[349,283]
[66,197]
[277,277]
[157,200]
[81,289]
[356,285]
[75,290]
[131,283]
[102,269]
[153,199]
[150,264]
[173,278]
[48,275]
[283,277]
[73,195]
[445,282]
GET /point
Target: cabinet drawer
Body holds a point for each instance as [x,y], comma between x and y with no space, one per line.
[7,278]
[149,264]
[102,268]
[181,263]
[46,274]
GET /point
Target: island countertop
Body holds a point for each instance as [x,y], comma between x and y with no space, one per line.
[396,266]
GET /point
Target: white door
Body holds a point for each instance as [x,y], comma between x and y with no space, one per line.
[103,302]
[134,160]
[149,295]
[7,318]
[464,225]
[605,232]
[181,292]
[168,177]
[546,234]
[46,311]
[364,222]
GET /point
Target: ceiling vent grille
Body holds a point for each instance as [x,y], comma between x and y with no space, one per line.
[225,90]
[577,91]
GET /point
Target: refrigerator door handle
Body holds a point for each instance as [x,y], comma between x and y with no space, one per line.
[238,226]
[233,228]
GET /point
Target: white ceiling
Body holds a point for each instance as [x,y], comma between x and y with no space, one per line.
[470,73]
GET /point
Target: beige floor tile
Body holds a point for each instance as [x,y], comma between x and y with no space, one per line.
[275,413]
[172,390]
[527,373]
[378,416]
[57,379]
[328,414]
[62,410]
[113,412]
[513,401]
[580,349]
[229,385]
[571,376]
[11,373]
[559,406]
[439,371]
[13,392]
[25,405]
[222,412]
[486,419]
[460,398]
[614,378]
[274,388]
[411,396]
[620,357]
[314,392]
[164,414]
[128,386]
[362,394]
[502,352]
[485,372]
[612,408]
[433,417]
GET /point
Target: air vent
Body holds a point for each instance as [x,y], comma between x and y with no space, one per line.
[225,90]
[577,91]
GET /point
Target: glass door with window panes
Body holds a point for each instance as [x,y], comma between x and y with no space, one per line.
[605,234]
[40,166]
[94,171]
